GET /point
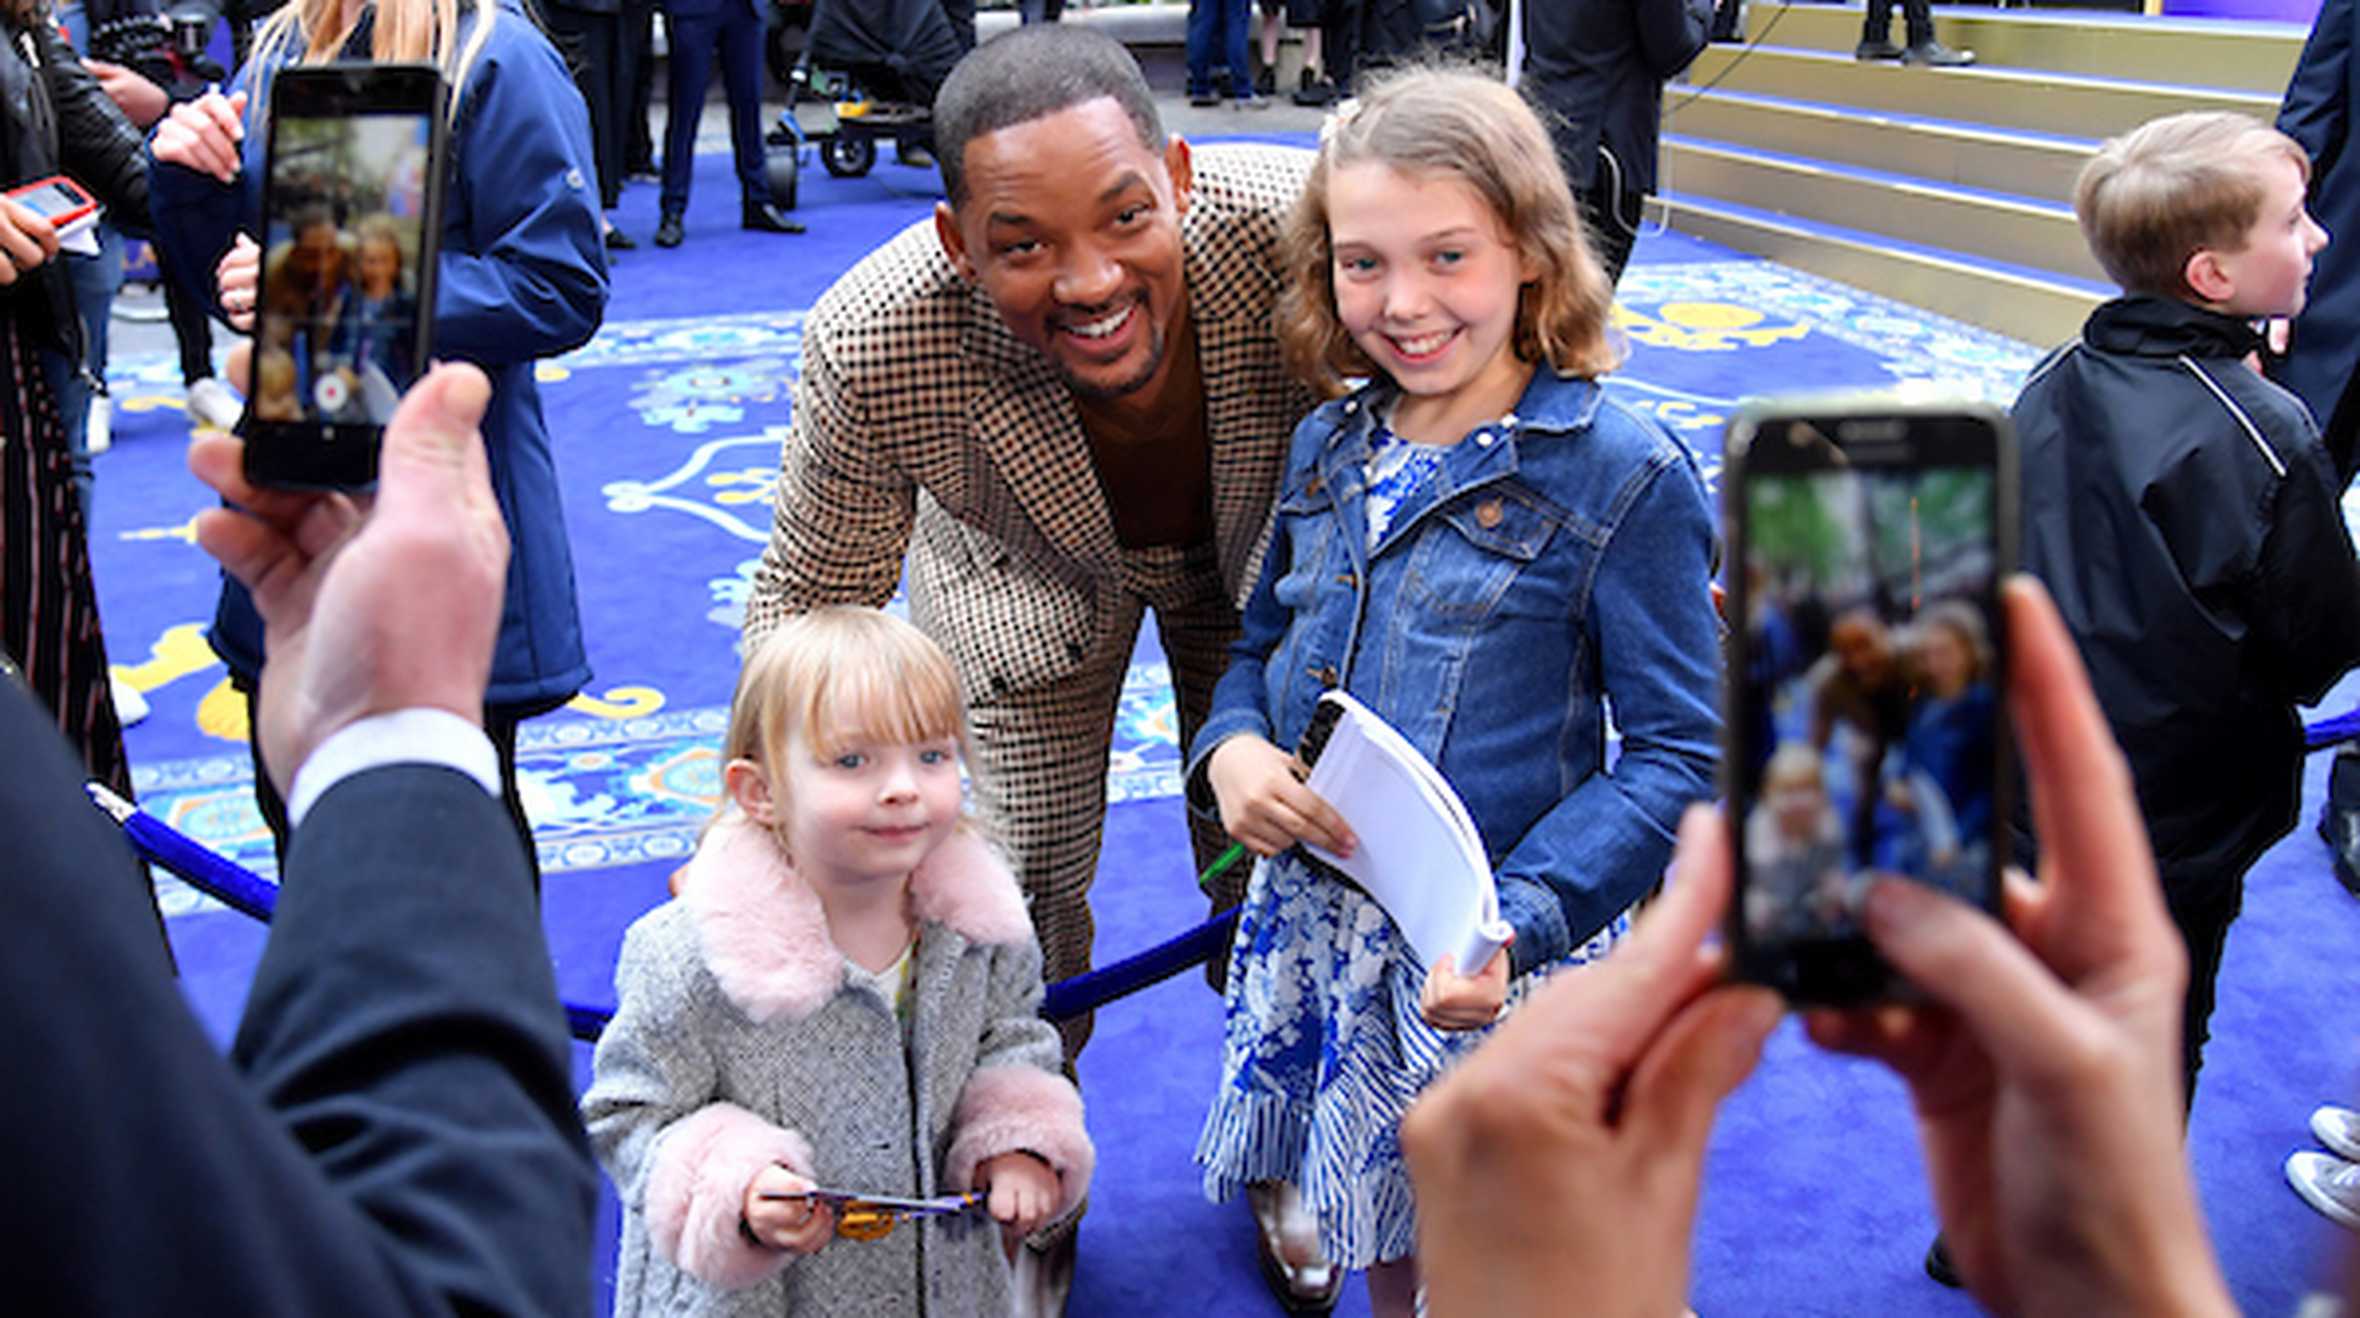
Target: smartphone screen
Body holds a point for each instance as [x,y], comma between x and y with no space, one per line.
[1867,735]
[51,199]
[350,219]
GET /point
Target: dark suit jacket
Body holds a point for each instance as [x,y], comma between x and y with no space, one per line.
[1601,66]
[2325,346]
[394,1131]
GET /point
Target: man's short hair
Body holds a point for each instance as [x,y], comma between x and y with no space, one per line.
[1030,73]
[2172,187]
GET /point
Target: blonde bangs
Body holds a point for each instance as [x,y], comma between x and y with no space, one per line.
[842,674]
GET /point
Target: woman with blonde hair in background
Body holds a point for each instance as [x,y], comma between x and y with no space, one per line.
[522,276]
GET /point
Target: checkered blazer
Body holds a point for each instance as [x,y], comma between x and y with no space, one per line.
[923,425]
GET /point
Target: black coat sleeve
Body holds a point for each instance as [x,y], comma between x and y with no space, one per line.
[402,1139]
[96,146]
[2306,607]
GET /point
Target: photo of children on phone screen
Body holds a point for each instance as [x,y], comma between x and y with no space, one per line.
[338,320]
[1870,691]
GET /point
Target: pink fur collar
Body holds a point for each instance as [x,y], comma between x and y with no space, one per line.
[766,938]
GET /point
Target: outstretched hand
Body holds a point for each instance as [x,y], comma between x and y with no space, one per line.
[2047,1080]
[363,613]
[1562,1159]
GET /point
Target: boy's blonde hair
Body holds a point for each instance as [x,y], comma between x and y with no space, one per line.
[1459,123]
[835,672]
[2173,187]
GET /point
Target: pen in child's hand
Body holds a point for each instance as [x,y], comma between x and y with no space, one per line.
[1220,866]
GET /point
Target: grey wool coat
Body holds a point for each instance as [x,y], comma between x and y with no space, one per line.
[738,1042]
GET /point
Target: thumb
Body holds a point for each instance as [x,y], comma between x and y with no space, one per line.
[1703,1055]
[433,461]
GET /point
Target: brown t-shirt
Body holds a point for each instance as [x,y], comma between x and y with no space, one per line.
[1157,469]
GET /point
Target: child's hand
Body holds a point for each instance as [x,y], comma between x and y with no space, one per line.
[800,1225]
[1264,803]
[1452,1001]
[1023,1191]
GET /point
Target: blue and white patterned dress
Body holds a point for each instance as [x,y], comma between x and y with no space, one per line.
[1323,1048]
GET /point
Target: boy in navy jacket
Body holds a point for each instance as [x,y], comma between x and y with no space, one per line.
[2182,510]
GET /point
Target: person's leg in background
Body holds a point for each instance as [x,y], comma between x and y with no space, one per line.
[1272,21]
[1309,17]
[1237,44]
[210,402]
[2202,913]
[1204,33]
[82,406]
[741,78]
[1340,43]
[1876,32]
[636,56]
[689,69]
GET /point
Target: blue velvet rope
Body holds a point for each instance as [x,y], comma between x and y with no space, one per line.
[241,889]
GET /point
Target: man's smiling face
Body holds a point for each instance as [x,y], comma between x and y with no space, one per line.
[1071,224]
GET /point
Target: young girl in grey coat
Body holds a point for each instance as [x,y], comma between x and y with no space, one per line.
[843,996]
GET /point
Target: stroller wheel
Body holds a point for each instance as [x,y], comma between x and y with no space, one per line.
[781,169]
[848,157]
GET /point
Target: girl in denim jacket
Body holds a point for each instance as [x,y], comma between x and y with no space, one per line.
[1487,551]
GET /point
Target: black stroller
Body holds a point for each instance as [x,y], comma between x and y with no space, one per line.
[868,71]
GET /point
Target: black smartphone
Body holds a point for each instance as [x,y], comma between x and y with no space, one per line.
[352,223]
[1866,728]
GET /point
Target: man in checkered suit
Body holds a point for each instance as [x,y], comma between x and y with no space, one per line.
[1062,401]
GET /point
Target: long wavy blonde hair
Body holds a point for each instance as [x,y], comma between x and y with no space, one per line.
[406,32]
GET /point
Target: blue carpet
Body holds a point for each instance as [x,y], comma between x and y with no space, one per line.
[667,429]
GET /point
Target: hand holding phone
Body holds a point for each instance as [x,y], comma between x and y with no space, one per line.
[344,276]
[1865,729]
[26,241]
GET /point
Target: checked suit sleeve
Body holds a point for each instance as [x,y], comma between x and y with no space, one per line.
[843,511]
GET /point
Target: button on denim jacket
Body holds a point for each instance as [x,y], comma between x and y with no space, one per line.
[1558,561]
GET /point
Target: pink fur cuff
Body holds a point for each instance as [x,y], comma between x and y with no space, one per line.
[696,1192]
[1010,1109]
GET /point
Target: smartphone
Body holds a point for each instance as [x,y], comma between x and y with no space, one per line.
[1866,732]
[351,228]
[57,199]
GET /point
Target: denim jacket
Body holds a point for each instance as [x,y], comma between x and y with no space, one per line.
[1559,560]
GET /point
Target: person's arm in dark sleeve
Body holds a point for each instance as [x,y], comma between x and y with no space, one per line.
[2317,108]
[1671,32]
[97,146]
[527,276]
[2305,608]
[402,1142]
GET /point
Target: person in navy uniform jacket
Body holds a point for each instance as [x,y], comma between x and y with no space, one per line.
[393,1130]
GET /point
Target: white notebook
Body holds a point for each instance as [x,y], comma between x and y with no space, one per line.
[1419,854]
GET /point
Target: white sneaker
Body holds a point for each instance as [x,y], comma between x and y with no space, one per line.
[2339,1129]
[98,429]
[130,706]
[210,403]
[2328,1184]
